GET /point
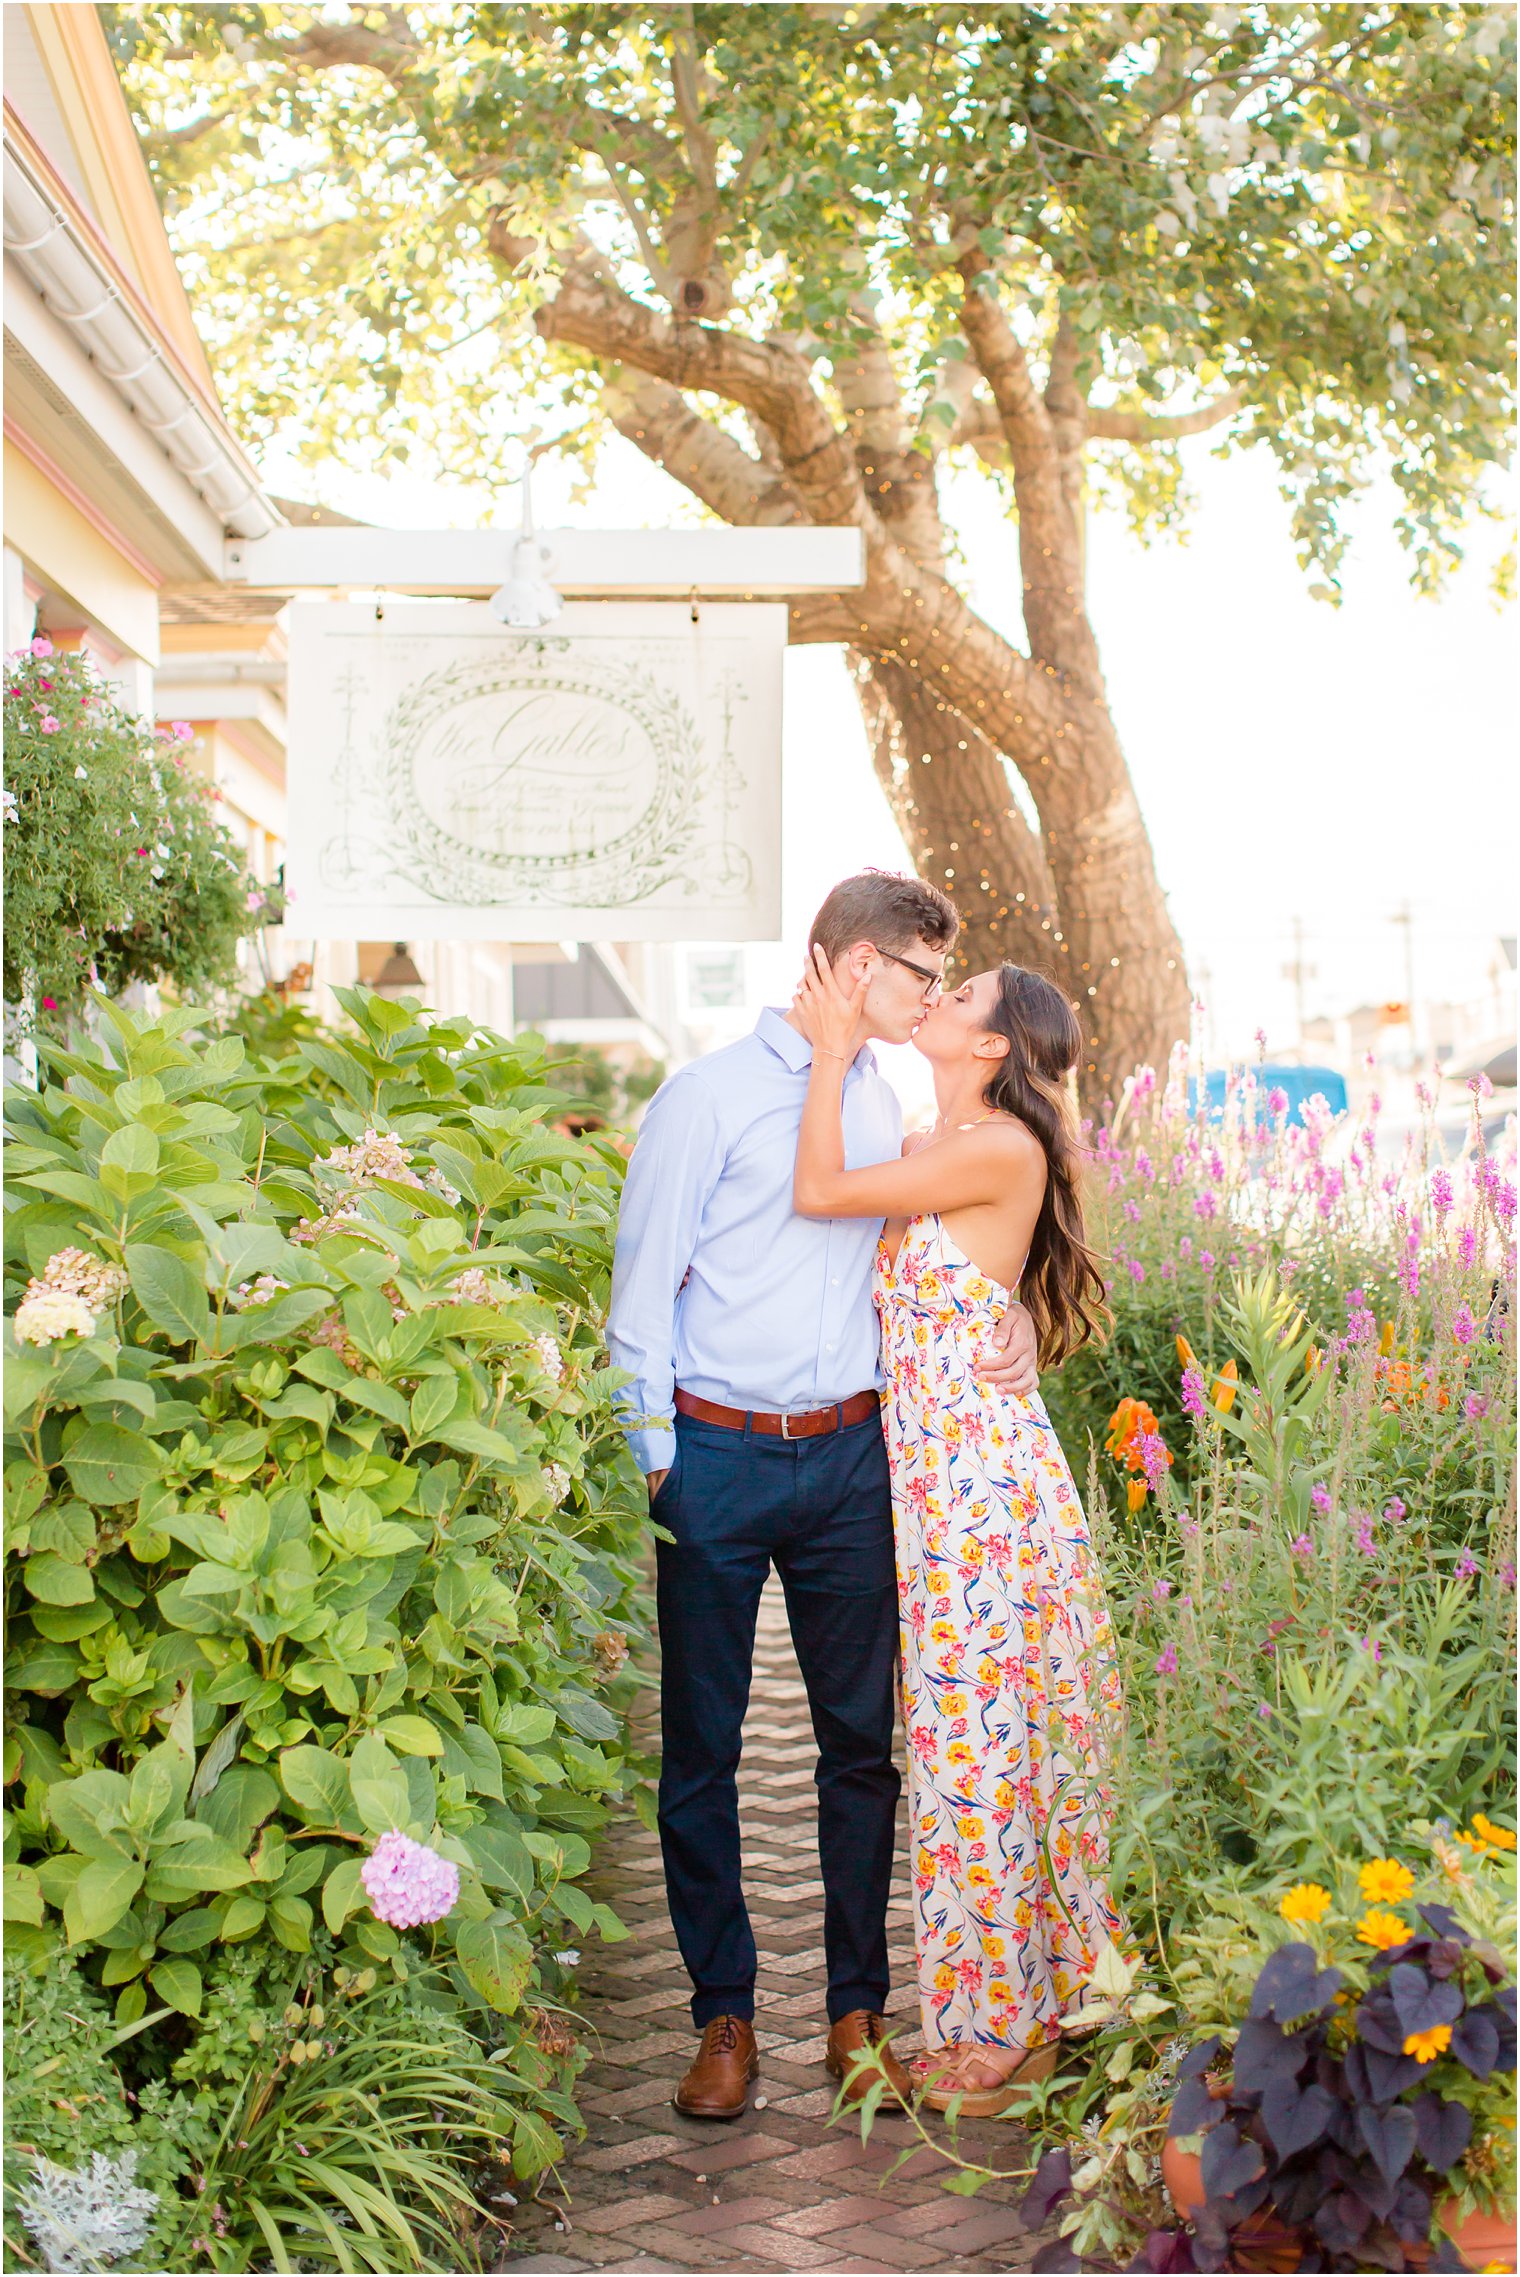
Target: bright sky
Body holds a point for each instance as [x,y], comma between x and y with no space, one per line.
[1293,761]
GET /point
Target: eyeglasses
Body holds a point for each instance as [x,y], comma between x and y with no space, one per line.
[933,981]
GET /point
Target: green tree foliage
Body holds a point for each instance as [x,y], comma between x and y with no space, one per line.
[807,258]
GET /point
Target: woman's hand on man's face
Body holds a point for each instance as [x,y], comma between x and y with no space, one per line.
[828,1015]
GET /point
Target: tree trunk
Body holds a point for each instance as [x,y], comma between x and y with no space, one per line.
[948,791]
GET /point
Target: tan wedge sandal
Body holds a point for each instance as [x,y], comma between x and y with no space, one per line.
[991,2102]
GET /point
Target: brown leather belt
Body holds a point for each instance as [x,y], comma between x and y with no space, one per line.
[797,1423]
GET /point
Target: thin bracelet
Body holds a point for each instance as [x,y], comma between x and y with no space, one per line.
[831,1055]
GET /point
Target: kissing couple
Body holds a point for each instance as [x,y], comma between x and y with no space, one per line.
[831,1375]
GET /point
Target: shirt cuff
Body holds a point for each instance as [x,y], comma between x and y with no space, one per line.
[654,1449]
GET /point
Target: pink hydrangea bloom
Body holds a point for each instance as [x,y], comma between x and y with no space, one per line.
[408,1884]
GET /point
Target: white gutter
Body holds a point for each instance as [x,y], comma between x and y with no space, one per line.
[79,289]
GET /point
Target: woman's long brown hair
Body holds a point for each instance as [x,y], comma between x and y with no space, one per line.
[1062,1284]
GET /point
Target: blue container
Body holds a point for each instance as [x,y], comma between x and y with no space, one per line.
[1300,1083]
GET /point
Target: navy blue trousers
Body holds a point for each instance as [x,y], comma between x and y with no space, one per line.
[820,1511]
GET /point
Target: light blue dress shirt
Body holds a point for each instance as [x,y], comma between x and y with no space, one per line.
[718,1285]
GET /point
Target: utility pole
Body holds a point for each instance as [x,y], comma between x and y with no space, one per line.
[1300,974]
[1405,917]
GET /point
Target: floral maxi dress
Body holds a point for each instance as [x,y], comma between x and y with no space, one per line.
[1007,1667]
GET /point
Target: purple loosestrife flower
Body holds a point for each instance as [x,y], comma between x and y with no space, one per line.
[1154,1457]
[1465,1567]
[1136,1271]
[1320,1497]
[1364,1540]
[1475,1407]
[1192,1394]
[1440,1191]
[1467,1245]
[1264,1710]
[1166,1662]
[408,1884]
[1277,1100]
[1507,1575]
[1161,1591]
[1395,1509]
[1205,1206]
[1504,1203]
[1206,1259]
[1463,1327]
[1303,1547]
[1370,1644]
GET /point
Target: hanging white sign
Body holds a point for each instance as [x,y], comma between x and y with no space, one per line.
[616,775]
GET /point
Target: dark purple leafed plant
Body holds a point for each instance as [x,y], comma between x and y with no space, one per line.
[1323,2124]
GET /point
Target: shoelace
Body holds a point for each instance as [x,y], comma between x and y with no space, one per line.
[723,2034]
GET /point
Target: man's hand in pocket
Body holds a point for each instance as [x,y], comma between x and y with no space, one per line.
[654,1480]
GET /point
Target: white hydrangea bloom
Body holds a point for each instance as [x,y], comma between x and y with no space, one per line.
[557,1479]
[44,1315]
[436,1183]
[262,1291]
[80,1273]
[379,1154]
[550,1357]
[81,2219]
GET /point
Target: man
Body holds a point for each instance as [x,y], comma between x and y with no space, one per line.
[752,1341]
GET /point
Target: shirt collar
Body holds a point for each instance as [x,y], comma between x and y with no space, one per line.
[773,1028]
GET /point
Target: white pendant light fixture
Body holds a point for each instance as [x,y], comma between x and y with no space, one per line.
[527,600]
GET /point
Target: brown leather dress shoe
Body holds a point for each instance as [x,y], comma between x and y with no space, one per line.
[717,2085]
[858,2031]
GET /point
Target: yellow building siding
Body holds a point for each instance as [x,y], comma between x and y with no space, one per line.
[68,553]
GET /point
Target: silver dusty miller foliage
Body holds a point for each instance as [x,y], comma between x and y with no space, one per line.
[85,2219]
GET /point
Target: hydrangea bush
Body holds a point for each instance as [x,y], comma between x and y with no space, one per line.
[116,866]
[321,1530]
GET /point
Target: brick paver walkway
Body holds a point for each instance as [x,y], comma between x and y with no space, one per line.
[780,2189]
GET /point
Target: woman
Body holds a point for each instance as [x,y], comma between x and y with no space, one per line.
[1005,1642]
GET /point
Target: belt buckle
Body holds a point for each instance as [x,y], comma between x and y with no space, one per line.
[786,1417]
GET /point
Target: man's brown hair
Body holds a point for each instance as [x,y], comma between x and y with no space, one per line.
[889,910]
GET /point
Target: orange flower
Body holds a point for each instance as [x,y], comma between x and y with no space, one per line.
[1385,1341]
[1382,1930]
[1130,1422]
[1426,2046]
[1312,1360]
[1226,1388]
[1134,1493]
[1185,1353]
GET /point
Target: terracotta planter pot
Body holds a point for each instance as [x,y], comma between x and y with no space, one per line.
[1485,2241]
[1261,2241]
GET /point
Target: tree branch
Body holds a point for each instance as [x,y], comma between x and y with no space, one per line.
[981,424]
[770,381]
[657,419]
[1147,427]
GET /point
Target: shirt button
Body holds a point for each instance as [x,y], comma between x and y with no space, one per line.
[834,1282]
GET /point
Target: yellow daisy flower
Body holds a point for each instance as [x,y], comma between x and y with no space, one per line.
[1426,2046]
[1383,1881]
[1306,1901]
[1382,1930]
[1502,1837]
